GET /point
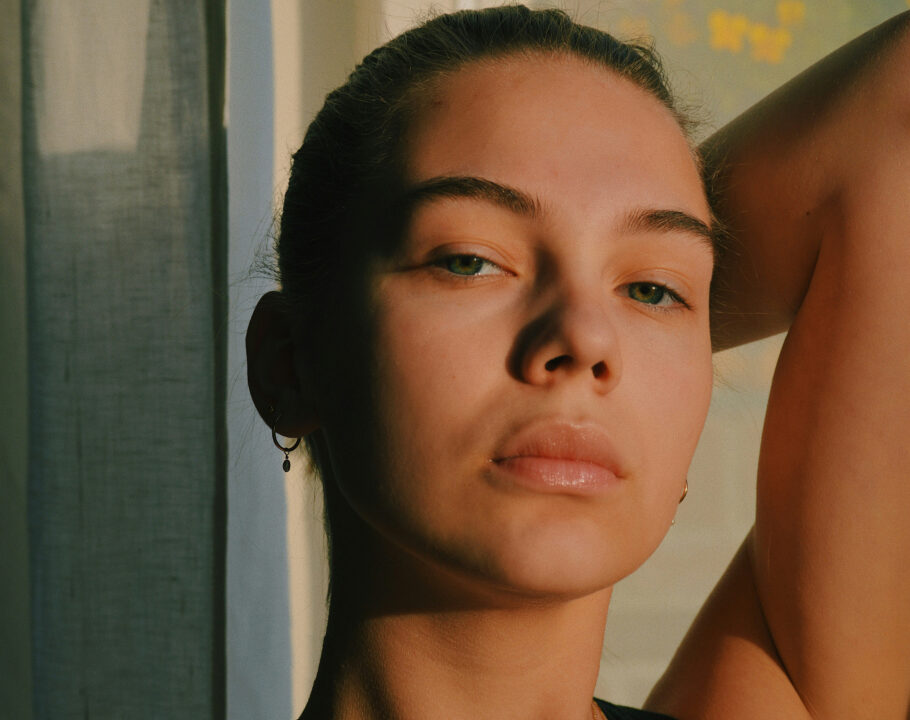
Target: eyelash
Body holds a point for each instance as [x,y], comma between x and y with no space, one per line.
[666,292]
[443,264]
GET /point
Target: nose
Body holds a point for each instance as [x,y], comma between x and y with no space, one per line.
[573,336]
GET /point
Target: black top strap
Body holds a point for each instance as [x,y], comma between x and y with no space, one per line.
[618,712]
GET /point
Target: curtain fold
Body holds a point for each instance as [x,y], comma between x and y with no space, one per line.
[15,656]
[123,154]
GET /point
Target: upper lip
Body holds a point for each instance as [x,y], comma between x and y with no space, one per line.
[562,440]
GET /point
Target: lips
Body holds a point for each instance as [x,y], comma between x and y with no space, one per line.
[560,456]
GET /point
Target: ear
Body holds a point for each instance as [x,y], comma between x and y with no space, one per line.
[279,379]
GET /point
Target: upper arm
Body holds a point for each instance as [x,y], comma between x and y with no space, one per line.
[727,666]
[777,176]
[823,592]
[832,539]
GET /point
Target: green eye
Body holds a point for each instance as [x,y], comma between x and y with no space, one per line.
[468,265]
[464,264]
[648,293]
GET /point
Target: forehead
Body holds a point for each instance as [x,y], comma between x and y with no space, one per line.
[580,138]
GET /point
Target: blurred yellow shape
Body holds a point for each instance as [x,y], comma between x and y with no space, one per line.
[681,29]
[634,27]
[727,30]
[792,12]
[769,44]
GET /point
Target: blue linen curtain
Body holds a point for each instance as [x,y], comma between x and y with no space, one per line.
[120,307]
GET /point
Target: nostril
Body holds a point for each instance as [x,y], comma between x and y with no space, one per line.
[599,369]
[554,363]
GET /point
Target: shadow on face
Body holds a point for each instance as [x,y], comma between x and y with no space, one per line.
[517,367]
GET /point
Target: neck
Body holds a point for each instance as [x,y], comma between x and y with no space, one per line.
[446,648]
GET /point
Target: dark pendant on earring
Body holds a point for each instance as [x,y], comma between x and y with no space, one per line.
[286,465]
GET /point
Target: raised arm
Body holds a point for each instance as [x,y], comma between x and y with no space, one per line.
[812,620]
[794,172]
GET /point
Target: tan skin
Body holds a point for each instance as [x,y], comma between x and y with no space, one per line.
[484,596]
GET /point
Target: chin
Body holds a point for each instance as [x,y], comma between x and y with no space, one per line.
[553,562]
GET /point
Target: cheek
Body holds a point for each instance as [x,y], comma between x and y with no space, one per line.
[665,392]
[434,366]
[433,375]
[673,374]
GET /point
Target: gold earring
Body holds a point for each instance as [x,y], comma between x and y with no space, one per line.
[685,491]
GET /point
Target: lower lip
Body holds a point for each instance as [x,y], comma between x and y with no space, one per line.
[557,475]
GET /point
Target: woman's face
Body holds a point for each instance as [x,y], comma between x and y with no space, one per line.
[539,368]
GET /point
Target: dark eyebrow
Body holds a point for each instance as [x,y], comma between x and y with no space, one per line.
[459,186]
[521,203]
[668,221]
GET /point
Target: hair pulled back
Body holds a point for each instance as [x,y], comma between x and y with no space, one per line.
[351,157]
[352,148]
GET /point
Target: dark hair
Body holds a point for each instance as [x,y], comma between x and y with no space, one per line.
[352,150]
